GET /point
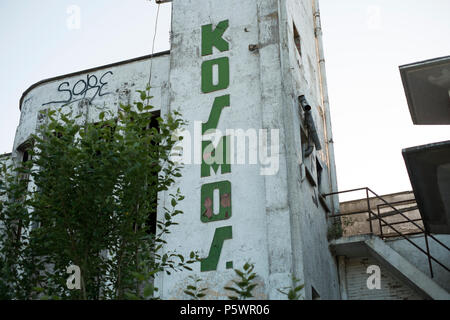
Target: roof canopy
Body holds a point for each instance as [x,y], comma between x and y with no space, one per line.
[429,171]
[427,88]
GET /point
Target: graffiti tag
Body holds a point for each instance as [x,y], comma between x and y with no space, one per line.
[79,91]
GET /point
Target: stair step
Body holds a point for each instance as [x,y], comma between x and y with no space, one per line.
[405,270]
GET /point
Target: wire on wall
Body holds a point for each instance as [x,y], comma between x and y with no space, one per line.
[153,49]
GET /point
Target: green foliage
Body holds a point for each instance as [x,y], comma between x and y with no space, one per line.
[245,284]
[94,189]
[13,217]
[334,229]
[293,292]
[193,290]
[347,222]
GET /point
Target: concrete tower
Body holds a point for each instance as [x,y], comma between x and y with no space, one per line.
[243,65]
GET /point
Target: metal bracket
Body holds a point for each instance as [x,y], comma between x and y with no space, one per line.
[253,47]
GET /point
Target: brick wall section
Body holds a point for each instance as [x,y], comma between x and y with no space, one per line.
[359,224]
[391,287]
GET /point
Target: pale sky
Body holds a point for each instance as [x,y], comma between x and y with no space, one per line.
[365,42]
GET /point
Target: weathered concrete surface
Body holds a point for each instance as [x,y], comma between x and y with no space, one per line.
[248,222]
[301,76]
[406,270]
[420,260]
[358,224]
[396,264]
[277,221]
[108,87]
[403,201]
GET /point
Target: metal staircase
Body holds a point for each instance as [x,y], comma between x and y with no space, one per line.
[387,221]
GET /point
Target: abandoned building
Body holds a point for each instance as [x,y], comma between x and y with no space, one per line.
[260,69]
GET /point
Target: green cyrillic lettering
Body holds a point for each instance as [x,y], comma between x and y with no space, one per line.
[216,111]
[207,201]
[220,235]
[207,75]
[213,38]
[215,157]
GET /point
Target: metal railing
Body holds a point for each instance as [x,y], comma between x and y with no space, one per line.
[382,222]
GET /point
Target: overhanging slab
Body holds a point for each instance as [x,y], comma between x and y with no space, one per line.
[429,171]
[427,89]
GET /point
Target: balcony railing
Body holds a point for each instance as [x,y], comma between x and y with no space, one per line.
[386,220]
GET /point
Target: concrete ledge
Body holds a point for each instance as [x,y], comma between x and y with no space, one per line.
[405,270]
[365,245]
[351,247]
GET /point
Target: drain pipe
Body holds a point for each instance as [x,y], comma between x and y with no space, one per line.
[326,105]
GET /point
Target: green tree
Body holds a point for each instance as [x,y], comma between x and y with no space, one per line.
[89,198]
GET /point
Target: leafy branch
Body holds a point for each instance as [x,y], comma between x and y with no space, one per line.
[245,284]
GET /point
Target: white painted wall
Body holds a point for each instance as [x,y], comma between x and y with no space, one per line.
[275,222]
[313,261]
[120,84]
[248,219]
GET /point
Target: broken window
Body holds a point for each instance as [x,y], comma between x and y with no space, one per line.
[308,157]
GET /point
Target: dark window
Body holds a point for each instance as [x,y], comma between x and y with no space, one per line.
[297,40]
[24,152]
[306,149]
[319,170]
[308,157]
[26,156]
[321,185]
[150,223]
[154,120]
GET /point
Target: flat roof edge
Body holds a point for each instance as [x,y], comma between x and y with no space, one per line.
[34,85]
[441,144]
[420,63]
[374,197]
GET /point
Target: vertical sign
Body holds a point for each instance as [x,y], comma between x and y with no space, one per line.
[215,76]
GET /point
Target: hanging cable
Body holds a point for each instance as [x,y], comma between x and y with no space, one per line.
[153,49]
